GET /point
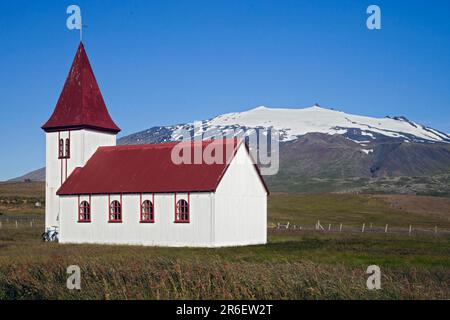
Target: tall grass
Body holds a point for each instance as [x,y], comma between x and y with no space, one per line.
[175,279]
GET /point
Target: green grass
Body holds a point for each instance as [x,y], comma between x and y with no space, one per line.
[437,185]
[22,189]
[19,198]
[349,209]
[356,250]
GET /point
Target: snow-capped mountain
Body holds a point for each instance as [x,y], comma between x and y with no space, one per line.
[293,123]
[319,146]
[296,122]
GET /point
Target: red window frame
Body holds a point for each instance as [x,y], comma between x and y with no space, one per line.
[61,149]
[149,206]
[182,210]
[67,156]
[115,210]
[83,206]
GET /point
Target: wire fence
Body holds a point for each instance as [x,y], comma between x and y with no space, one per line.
[409,230]
[20,222]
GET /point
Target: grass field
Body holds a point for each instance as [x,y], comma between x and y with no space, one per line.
[293,265]
[354,210]
[18,199]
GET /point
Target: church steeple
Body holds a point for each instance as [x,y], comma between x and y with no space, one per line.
[79,125]
[80,105]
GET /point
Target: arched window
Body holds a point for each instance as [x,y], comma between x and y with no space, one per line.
[84,212]
[61,149]
[182,211]
[115,211]
[67,148]
[147,214]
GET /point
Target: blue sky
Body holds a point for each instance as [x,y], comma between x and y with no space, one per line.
[167,62]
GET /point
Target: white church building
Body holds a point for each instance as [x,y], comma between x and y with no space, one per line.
[97,192]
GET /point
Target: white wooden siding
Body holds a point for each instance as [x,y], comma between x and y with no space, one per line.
[163,232]
[83,144]
[240,202]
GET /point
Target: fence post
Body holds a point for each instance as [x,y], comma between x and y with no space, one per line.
[410,229]
[278,225]
[0,224]
[16,225]
[31,223]
[363,227]
[329,226]
[340,227]
[385,229]
[319,226]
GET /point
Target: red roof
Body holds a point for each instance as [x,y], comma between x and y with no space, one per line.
[148,168]
[80,104]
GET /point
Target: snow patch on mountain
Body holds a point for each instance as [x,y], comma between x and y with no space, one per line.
[293,123]
[297,122]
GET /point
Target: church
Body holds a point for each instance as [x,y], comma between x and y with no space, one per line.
[98,192]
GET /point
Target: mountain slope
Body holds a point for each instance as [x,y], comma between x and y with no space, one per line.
[36,175]
[333,157]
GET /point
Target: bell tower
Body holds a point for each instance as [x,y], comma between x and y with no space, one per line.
[79,125]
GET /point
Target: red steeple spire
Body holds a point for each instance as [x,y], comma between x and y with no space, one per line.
[80,104]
